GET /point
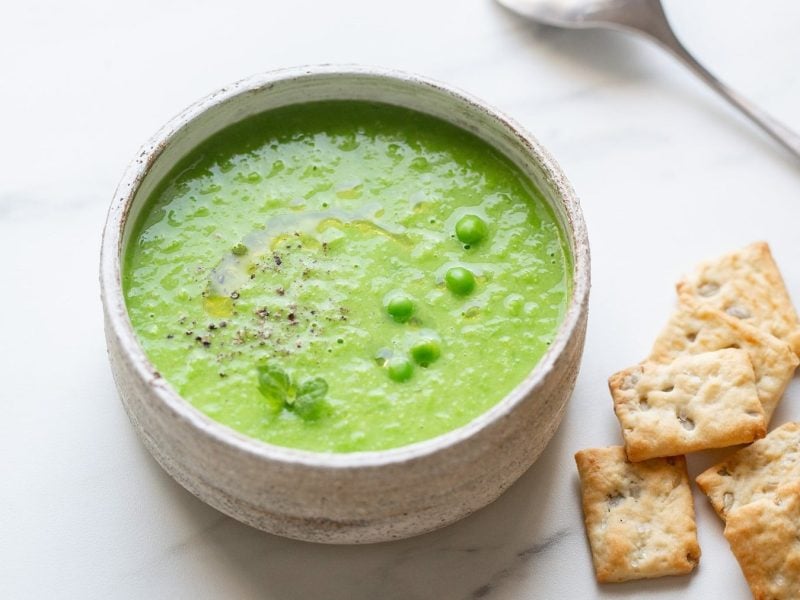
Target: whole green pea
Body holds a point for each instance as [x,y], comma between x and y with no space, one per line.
[426,351]
[400,369]
[460,281]
[471,229]
[400,308]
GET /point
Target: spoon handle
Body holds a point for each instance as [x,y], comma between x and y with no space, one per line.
[660,31]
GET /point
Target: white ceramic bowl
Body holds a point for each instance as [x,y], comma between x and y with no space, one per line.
[364,496]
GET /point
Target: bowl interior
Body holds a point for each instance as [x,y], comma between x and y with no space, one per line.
[274,90]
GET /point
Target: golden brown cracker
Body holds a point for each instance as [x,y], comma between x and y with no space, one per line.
[639,516]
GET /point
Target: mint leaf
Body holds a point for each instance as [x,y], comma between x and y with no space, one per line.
[314,388]
[310,403]
[274,384]
[306,400]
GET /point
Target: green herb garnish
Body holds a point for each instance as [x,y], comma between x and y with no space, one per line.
[306,400]
[310,400]
[274,384]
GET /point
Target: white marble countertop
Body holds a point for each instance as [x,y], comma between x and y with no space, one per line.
[666,172]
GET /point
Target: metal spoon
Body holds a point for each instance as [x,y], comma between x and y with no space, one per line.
[647,18]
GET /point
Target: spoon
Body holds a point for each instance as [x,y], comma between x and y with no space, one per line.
[646,18]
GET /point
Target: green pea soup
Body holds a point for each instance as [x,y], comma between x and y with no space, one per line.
[345,276]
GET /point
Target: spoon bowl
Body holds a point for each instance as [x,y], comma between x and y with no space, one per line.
[647,19]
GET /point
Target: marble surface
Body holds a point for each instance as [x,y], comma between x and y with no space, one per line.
[667,175]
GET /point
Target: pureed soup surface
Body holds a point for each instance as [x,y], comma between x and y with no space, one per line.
[345,276]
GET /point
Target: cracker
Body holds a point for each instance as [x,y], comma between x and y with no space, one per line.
[755,471]
[747,285]
[639,516]
[765,538]
[694,329]
[699,401]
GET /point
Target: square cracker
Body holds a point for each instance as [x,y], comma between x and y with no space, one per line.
[755,471]
[746,284]
[698,401]
[765,538]
[639,516]
[694,329]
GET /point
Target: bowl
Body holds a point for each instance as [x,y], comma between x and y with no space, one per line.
[358,497]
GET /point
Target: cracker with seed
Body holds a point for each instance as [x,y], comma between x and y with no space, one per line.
[699,401]
[747,285]
[765,538]
[755,471]
[639,516]
[694,329]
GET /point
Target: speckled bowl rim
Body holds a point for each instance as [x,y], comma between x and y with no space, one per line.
[117,315]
